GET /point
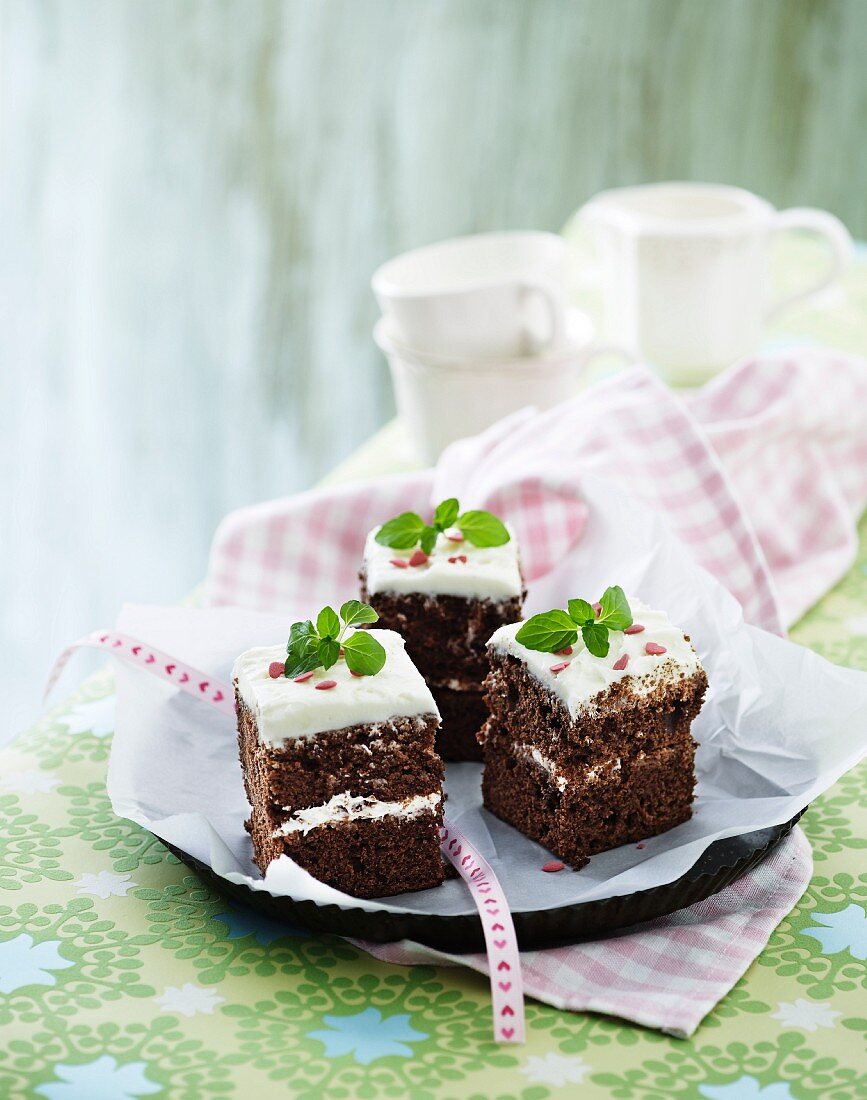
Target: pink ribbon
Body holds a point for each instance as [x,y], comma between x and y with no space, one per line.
[185,677]
[501,943]
[504,959]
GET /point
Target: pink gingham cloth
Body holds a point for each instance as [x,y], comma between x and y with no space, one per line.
[669,973]
[762,473]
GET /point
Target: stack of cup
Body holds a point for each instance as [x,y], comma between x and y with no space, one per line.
[475,328]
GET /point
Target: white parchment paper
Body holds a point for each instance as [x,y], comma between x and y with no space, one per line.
[780,725]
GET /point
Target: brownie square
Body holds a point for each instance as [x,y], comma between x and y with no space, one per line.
[446,607]
[583,756]
[345,781]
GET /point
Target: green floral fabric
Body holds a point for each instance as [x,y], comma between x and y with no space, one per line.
[122,975]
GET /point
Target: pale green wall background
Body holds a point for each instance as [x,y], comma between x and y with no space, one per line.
[193,196]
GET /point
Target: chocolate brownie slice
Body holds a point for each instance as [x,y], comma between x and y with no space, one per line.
[446,605]
[341,771]
[586,753]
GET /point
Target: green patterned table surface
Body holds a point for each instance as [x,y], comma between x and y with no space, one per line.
[123,975]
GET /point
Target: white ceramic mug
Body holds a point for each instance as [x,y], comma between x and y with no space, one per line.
[487,296]
[685,270]
[441,399]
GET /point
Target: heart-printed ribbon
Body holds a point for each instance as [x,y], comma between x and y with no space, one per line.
[504,960]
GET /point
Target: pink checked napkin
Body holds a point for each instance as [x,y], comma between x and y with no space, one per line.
[762,474]
[667,974]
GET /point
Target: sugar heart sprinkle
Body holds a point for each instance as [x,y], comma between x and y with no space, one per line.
[654,650]
[276,669]
[636,628]
[621,663]
[399,563]
[559,668]
[326,685]
[552,866]
[303,677]
[419,557]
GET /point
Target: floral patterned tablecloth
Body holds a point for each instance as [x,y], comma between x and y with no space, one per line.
[122,975]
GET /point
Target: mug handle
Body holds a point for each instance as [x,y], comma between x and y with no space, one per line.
[553,299]
[591,351]
[832,231]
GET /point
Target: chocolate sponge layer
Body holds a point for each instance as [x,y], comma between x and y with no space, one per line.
[445,636]
[463,714]
[388,760]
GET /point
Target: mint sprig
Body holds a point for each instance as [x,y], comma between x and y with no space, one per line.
[555,630]
[408,530]
[311,647]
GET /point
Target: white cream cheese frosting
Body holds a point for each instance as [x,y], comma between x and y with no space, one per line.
[489,572]
[284,709]
[348,807]
[585,676]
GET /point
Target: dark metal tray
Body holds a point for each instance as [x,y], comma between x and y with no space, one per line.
[717,867]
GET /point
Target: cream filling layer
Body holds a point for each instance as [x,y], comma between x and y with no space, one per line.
[346,807]
[556,776]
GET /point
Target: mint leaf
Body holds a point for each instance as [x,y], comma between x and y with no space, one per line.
[595,637]
[364,654]
[328,624]
[548,632]
[581,612]
[483,529]
[300,631]
[402,532]
[302,649]
[446,513]
[616,614]
[329,652]
[428,539]
[302,660]
[354,611]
